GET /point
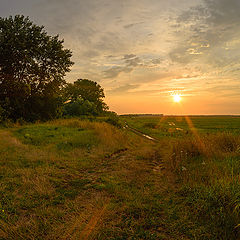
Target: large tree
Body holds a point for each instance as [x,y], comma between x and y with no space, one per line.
[84,97]
[32,69]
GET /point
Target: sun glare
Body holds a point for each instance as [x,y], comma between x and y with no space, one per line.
[176,98]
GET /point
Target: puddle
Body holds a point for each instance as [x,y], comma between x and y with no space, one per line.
[148,137]
[171,124]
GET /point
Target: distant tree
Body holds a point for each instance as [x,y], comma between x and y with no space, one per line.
[85,97]
[113,118]
[32,69]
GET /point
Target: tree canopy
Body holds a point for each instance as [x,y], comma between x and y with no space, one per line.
[32,69]
[85,97]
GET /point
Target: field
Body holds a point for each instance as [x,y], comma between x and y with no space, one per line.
[182,125]
[80,179]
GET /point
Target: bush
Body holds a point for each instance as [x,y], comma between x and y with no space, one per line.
[114,120]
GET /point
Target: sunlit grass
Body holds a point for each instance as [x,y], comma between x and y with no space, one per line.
[76,179]
[181,126]
[209,186]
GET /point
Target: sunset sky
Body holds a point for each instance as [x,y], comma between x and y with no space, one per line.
[144,51]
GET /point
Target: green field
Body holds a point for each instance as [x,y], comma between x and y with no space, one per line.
[180,125]
[80,179]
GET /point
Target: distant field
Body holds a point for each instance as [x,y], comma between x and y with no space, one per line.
[180,125]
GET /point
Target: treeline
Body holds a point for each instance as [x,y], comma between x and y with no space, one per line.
[32,70]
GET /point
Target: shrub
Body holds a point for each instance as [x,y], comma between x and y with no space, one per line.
[114,120]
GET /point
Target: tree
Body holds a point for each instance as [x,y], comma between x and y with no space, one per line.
[85,97]
[80,107]
[32,69]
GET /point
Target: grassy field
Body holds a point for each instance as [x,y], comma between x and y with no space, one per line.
[77,179]
[180,126]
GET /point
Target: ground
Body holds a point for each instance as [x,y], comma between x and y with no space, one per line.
[73,179]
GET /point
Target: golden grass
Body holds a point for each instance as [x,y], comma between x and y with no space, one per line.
[218,145]
[105,194]
[111,137]
[6,139]
[39,174]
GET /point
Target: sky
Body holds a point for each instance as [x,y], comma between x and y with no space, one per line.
[144,51]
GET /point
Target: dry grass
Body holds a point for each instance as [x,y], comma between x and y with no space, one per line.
[52,194]
[218,145]
[111,137]
[207,180]
[123,187]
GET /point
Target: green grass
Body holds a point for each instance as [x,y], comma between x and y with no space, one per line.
[178,126]
[80,179]
[63,138]
[208,191]
[52,192]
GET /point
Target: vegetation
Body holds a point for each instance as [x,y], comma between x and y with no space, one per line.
[200,158]
[84,97]
[32,70]
[170,126]
[207,173]
[51,176]
[80,179]
[114,119]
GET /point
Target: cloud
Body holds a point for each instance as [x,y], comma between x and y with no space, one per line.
[113,72]
[129,56]
[133,62]
[128,63]
[132,25]
[156,61]
[208,30]
[123,89]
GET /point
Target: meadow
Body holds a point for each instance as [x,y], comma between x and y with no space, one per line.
[175,126]
[81,179]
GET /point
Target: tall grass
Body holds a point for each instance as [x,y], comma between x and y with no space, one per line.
[208,173]
[111,137]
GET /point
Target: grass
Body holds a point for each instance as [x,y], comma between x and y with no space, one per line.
[80,179]
[50,191]
[63,138]
[207,177]
[180,126]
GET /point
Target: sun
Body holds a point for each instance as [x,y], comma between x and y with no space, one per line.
[176,98]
